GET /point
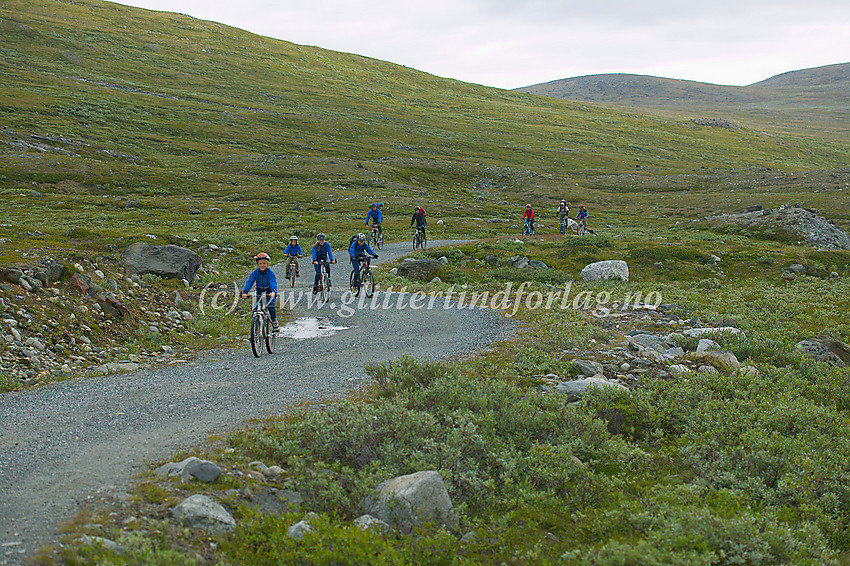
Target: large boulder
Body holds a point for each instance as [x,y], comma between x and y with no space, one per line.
[201,512]
[575,389]
[191,468]
[409,501]
[422,269]
[169,262]
[605,270]
[820,352]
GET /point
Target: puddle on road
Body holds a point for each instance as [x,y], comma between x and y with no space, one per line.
[303,328]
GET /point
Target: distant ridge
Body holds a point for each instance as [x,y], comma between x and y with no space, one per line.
[810,100]
[828,75]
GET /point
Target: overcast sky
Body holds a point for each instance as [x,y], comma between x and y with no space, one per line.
[513,43]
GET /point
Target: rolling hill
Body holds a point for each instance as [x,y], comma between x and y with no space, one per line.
[811,101]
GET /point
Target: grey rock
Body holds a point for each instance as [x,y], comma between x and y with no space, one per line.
[422,269]
[370,523]
[576,389]
[412,500]
[588,368]
[706,344]
[518,262]
[537,264]
[105,543]
[302,527]
[444,260]
[190,468]
[53,269]
[11,275]
[819,352]
[201,512]
[491,260]
[170,262]
[606,270]
[648,340]
[676,352]
[796,268]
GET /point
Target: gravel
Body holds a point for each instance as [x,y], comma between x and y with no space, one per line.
[74,441]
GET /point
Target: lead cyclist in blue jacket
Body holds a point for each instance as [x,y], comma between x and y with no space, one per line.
[266,283]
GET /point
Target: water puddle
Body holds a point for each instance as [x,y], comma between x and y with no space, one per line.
[303,328]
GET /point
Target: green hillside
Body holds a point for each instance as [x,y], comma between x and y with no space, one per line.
[123,99]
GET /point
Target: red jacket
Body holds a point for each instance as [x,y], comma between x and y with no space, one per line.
[529,213]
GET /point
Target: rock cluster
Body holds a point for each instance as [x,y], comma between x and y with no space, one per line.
[807,224]
[60,317]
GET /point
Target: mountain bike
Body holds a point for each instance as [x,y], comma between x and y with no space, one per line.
[563,223]
[527,228]
[419,239]
[365,281]
[581,229]
[262,327]
[377,238]
[324,281]
[292,270]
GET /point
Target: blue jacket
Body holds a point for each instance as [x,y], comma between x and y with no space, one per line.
[293,250]
[357,249]
[323,253]
[582,214]
[377,214]
[266,281]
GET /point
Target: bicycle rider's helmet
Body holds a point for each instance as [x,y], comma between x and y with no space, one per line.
[528,206]
[361,237]
[263,255]
[581,206]
[418,208]
[321,236]
[293,237]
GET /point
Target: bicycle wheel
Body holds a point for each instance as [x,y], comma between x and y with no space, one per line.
[291,273]
[525,229]
[415,241]
[367,281]
[424,240]
[271,336]
[380,240]
[354,288]
[256,347]
[324,287]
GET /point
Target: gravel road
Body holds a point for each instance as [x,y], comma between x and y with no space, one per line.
[70,442]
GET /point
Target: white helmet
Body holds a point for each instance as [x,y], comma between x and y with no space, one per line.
[361,237]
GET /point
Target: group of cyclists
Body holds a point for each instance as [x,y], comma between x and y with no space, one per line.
[562,214]
[358,251]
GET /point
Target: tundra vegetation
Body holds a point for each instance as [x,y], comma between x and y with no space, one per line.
[121,124]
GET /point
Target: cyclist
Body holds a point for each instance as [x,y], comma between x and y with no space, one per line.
[528,216]
[419,219]
[581,217]
[563,213]
[376,215]
[266,283]
[359,251]
[292,251]
[321,254]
